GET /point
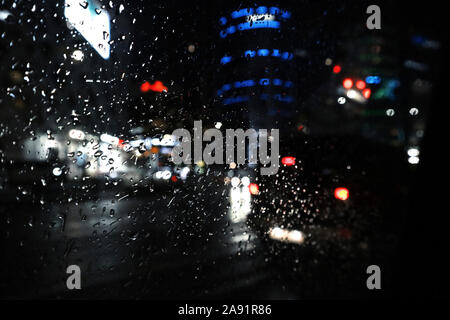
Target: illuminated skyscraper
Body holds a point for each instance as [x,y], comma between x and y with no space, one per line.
[255,81]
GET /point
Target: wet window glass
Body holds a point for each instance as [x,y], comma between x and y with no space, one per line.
[241,149]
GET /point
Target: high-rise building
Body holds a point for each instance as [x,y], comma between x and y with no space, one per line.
[255,80]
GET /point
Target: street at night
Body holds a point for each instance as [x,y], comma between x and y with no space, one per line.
[238,150]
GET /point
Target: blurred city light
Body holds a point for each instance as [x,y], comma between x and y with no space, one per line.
[293,236]
[245,181]
[341,100]
[288,161]
[77,55]
[413,152]
[413,160]
[347,83]
[157,86]
[77,134]
[337,69]
[341,193]
[373,80]
[253,188]
[366,93]
[235,181]
[360,84]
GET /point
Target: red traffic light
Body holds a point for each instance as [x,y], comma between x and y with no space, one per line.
[337,68]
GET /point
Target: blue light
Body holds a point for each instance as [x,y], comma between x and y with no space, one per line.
[373,80]
[231,29]
[287,56]
[289,84]
[223,33]
[261,10]
[237,99]
[418,39]
[277,82]
[270,24]
[286,14]
[274,10]
[222,21]
[241,13]
[248,83]
[252,83]
[263,52]
[281,98]
[249,53]
[225,60]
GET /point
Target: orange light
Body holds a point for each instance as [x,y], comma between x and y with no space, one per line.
[158,86]
[347,83]
[337,68]
[253,188]
[360,84]
[341,193]
[288,161]
[154,150]
[367,93]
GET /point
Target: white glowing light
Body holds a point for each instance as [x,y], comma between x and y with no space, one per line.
[77,134]
[390,112]
[184,172]
[413,152]
[240,204]
[109,139]
[413,160]
[166,174]
[296,237]
[92,21]
[293,236]
[260,17]
[78,55]
[235,181]
[57,171]
[414,111]
[245,181]
[341,100]
[351,94]
[278,233]
[356,95]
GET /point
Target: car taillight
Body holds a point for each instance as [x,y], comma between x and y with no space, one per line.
[341,193]
[253,188]
[288,161]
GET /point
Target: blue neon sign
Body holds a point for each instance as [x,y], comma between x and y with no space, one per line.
[252,83]
[242,13]
[264,96]
[261,53]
